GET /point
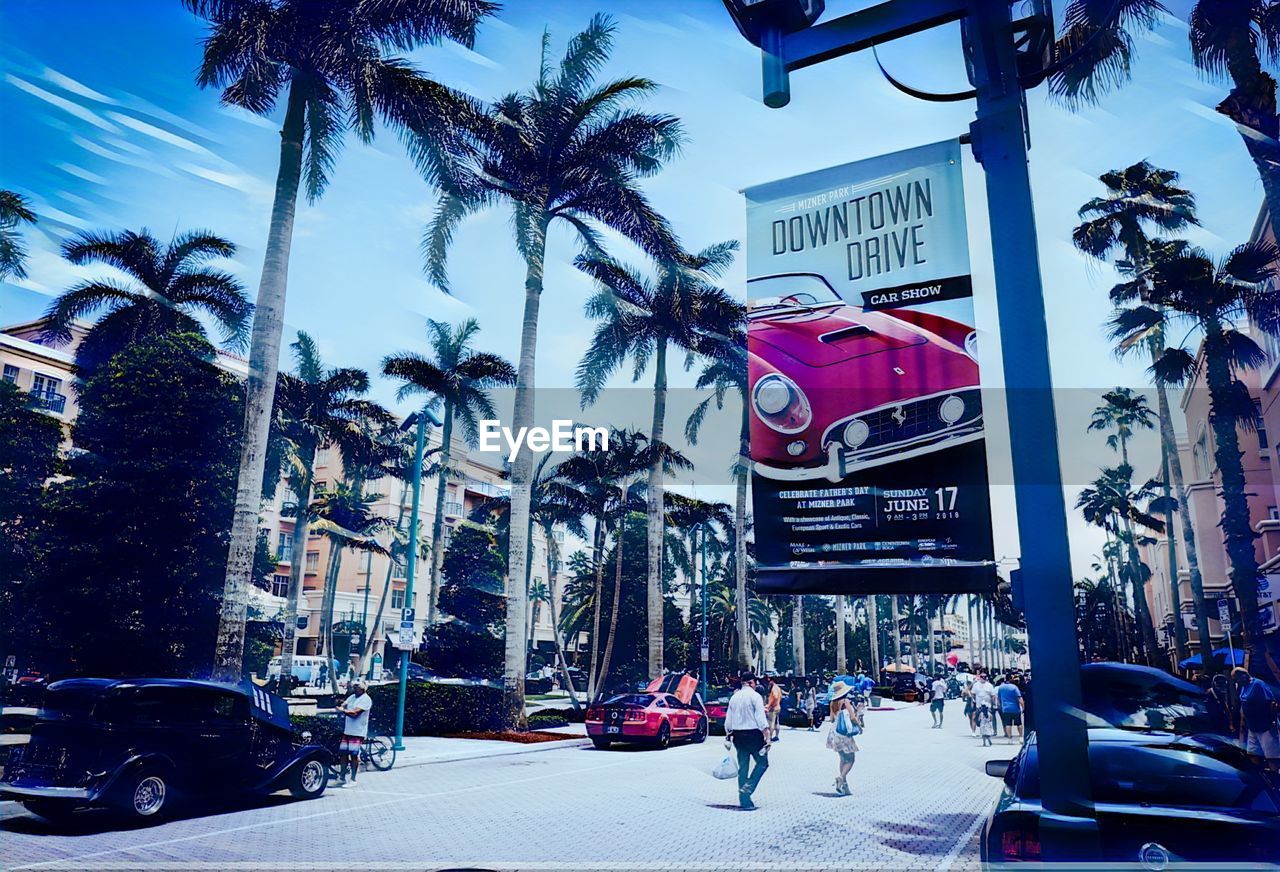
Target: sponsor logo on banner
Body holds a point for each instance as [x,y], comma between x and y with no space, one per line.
[867,437]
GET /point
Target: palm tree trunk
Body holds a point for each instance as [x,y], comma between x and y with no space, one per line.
[897,629]
[842,659]
[437,523]
[555,617]
[521,482]
[873,638]
[797,635]
[1142,610]
[741,473]
[597,536]
[300,524]
[653,586]
[1171,537]
[326,610]
[260,386]
[617,598]
[386,583]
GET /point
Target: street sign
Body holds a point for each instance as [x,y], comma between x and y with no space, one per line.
[706,654]
[406,616]
[1224,611]
[869,470]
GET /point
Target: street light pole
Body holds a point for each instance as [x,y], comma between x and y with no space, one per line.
[704,652]
[411,560]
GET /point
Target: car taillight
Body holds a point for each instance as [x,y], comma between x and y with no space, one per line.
[595,714]
[634,714]
[1020,844]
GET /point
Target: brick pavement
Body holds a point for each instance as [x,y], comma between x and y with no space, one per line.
[918,796]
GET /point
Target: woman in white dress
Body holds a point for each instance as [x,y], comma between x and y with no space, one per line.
[846,722]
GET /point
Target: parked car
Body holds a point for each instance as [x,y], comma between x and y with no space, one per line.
[656,718]
[835,389]
[136,745]
[305,668]
[717,707]
[535,683]
[1160,798]
[1140,697]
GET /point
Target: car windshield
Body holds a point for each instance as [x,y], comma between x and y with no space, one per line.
[70,704]
[1149,706]
[641,699]
[774,293]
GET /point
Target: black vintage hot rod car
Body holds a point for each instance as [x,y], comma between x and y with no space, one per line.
[136,745]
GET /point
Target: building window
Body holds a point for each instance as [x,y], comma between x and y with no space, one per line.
[1262,429]
[366,561]
[11,373]
[1200,454]
[284,547]
[45,384]
[313,561]
[397,598]
[279,585]
[322,455]
[321,486]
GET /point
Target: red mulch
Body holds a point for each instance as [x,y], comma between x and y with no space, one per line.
[529,738]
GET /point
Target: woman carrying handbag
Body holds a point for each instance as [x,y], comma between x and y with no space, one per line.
[846,723]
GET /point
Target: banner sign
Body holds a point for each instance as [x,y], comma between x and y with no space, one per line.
[867,441]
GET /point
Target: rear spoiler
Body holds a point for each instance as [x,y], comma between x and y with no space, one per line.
[682,687]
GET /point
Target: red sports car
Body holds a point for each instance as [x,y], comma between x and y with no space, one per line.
[835,389]
[654,718]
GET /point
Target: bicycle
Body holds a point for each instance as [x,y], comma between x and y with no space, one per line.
[376,751]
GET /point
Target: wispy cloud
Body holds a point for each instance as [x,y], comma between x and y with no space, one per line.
[62,103]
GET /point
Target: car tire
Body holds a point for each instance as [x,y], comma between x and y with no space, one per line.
[146,796]
[310,779]
[664,735]
[700,732]
[52,810]
[601,743]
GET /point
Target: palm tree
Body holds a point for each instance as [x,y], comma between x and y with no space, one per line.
[345,517]
[1113,503]
[168,287]
[642,319]
[567,150]
[460,378]
[15,210]
[316,406]
[1124,411]
[333,64]
[1230,39]
[1188,288]
[725,371]
[702,524]
[1140,199]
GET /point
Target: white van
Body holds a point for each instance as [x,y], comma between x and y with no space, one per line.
[306,667]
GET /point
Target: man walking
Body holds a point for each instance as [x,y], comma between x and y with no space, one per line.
[1258,727]
[1011,704]
[773,707]
[355,729]
[983,694]
[938,701]
[747,727]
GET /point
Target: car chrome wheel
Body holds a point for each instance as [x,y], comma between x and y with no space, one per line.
[312,776]
[664,735]
[149,796]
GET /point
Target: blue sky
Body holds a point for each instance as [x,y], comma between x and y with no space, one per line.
[105,129]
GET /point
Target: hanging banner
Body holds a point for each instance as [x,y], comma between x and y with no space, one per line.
[869,463]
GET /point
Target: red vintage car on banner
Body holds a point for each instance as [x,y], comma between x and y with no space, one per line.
[667,711]
[835,389]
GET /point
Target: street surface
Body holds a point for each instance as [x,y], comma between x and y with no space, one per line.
[918,798]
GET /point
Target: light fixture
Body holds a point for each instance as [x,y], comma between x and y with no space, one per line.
[856,432]
[951,409]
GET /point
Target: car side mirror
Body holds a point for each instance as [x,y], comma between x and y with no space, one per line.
[998,768]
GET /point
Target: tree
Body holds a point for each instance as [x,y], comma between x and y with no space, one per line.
[314,407]
[15,210]
[130,562]
[1189,288]
[725,372]
[567,150]
[467,641]
[642,319]
[459,378]
[167,287]
[1140,199]
[332,63]
[1113,503]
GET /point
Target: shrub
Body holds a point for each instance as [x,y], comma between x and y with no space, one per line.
[569,715]
[545,720]
[438,709]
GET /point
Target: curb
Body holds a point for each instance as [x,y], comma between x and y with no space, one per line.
[517,750]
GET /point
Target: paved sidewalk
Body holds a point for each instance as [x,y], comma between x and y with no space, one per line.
[423,750]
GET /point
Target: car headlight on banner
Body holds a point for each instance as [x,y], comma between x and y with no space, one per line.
[780,404]
[856,432]
[951,410]
[971,345]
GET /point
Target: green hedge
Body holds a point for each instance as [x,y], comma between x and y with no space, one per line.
[429,710]
[568,714]
[546,720]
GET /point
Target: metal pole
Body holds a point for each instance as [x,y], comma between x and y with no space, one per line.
[1069,830]
[411,562]
[703,658]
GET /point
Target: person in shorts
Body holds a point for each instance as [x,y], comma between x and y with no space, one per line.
[1258,719]
[1010,698]
[938,701]
[355,729]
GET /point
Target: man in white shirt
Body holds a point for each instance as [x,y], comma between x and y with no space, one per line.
[747,726]
[355,729]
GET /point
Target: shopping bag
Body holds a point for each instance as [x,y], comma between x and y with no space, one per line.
[846,725]
[728,767]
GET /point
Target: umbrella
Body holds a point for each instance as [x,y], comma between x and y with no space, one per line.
[1191,662]
[1236,655]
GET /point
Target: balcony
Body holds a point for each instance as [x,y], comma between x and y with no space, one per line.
[452,510]
[49,401]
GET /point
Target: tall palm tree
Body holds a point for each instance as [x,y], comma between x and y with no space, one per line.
[1189,288]
[726,371]
[333,64]
[1230,39]
[702,524]
[168,286]
[345,517]
[1124,411]
[642,319]
[459,378]
[317,406]
[15,210]
[1139,200]
[568,151]
[1113,503]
